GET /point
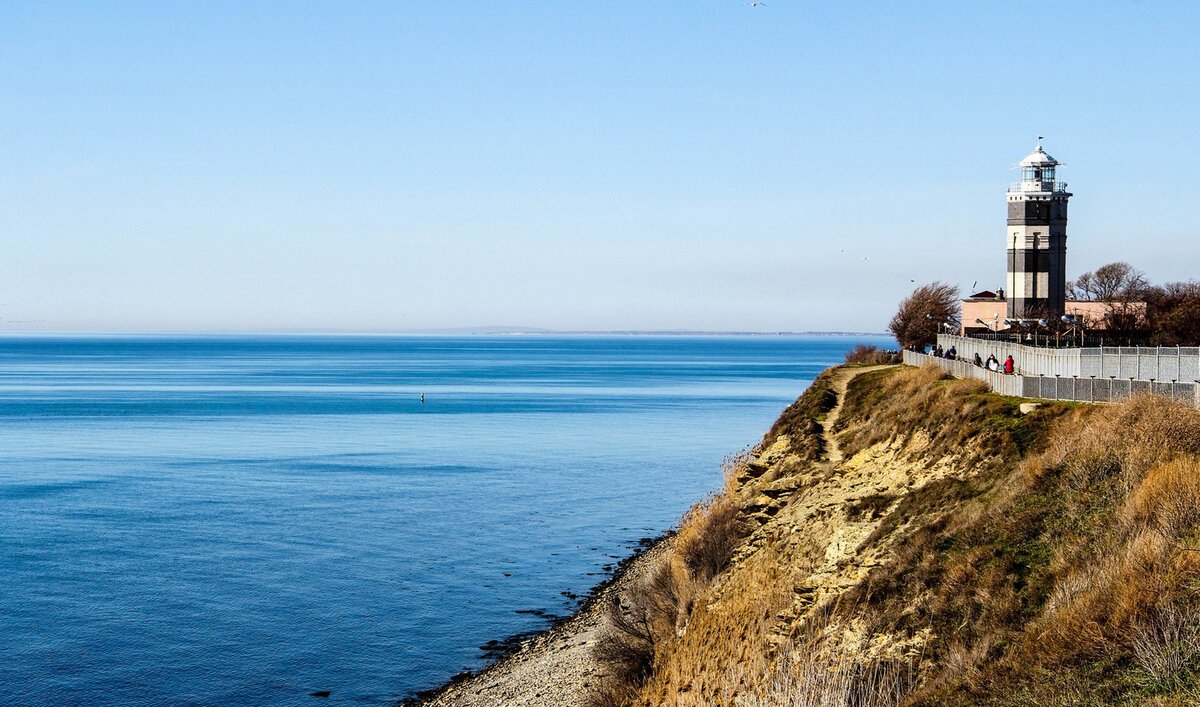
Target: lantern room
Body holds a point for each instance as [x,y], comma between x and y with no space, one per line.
[1038,172]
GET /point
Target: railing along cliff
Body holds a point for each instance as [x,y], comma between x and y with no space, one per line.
[1179,364]
[998,382]
[1029,360]
[1073,388]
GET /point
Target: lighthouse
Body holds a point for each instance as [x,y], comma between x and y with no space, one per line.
[1037,239]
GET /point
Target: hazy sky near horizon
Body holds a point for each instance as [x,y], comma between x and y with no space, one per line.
[356,166]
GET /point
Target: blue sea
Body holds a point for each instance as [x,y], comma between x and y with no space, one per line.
[248,519]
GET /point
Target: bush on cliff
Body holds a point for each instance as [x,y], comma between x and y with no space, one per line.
[708,537]
[868,355]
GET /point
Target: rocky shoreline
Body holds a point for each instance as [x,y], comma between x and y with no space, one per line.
[551,667]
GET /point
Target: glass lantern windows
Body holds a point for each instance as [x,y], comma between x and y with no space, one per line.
[1037,174]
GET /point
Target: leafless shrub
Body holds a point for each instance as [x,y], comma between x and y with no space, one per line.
[631,618]
[661,593]
[639,621]
[627,660]
[625,650]
[709,537]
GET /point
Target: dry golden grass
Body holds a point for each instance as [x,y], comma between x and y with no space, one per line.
[1123,441]
[722,649]
[1135,572]
[1119,489]
[824,667]
[1167,500]
[891,405]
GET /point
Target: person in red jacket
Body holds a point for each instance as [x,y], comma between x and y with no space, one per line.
[1009,366]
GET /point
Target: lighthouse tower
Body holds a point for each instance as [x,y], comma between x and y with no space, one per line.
[1037,239]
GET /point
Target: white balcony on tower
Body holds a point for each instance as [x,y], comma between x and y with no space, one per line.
[1036,187]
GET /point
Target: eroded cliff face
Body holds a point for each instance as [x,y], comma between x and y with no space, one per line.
[901,538]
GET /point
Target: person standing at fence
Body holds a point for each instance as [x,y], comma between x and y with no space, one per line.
[992,363]
[978,360]
[952,353]
[1009,366]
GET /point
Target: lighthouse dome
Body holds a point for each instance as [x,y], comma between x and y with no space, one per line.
[1038,158]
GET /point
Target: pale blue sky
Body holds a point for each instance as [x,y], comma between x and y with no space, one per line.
[567,164]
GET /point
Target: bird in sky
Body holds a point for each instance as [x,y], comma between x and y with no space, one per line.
[756,4]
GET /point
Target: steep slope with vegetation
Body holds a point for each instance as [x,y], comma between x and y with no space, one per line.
[903,538]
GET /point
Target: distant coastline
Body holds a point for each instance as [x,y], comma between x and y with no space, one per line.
[489,331]
[529,331]
[465,331]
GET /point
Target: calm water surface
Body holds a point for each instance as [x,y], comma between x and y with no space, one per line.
[248,519]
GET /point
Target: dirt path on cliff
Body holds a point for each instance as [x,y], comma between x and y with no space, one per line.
[841,381]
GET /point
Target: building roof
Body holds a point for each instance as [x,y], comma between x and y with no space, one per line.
[1038,158]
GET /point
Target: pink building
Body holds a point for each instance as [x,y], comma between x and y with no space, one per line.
[987,311]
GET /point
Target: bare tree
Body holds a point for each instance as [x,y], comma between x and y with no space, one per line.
[1115,282]
[922,313]
[1123,289]
[1174,313]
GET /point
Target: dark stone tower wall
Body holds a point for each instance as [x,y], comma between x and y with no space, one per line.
[1037,255]
[1037,251]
